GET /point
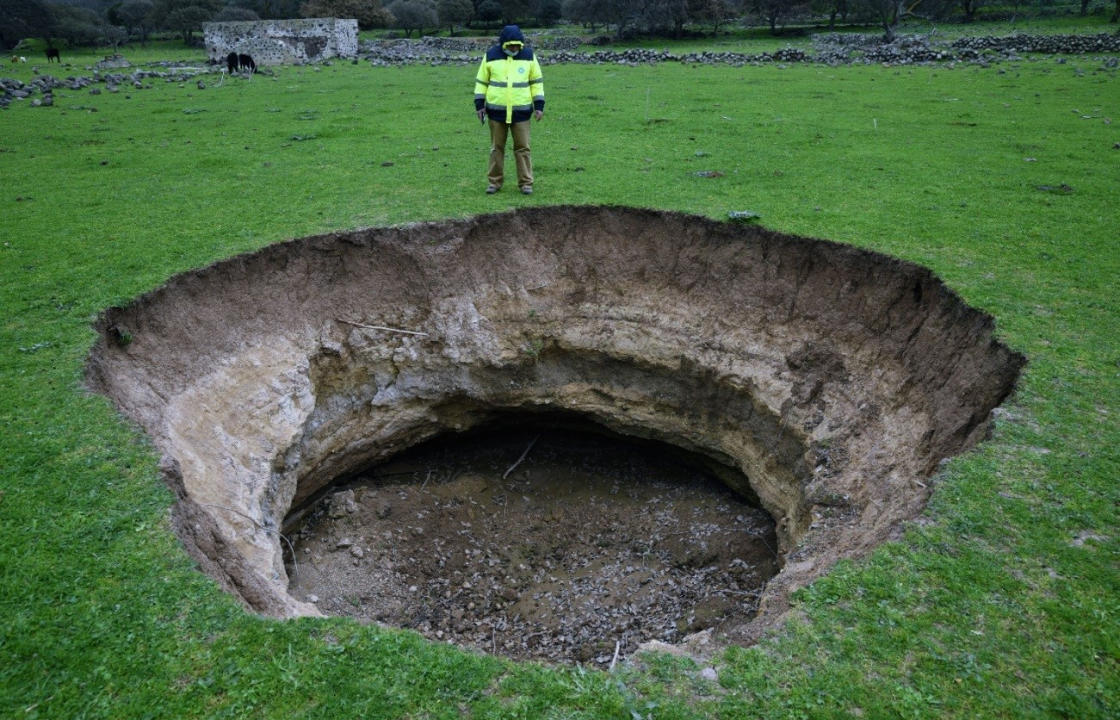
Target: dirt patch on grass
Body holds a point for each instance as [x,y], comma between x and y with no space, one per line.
[821,383]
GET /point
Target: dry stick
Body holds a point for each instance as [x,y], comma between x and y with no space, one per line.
[748,593]
[772,550]
[617,646]
[32,707]
[382,327]
[295,563]
[511,467]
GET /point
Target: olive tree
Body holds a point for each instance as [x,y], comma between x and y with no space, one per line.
[776,12]
[547,12]
[232,13]
[488,11]
[409,15]
[514,10]
[21,19]
[715,12]
[833,8]
[888,13]
[368,13]
[187,20]
[133,15]
[454,12]
[273,9]
[667,15]
[591,13]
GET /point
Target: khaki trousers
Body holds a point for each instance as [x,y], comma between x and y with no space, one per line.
[520,132]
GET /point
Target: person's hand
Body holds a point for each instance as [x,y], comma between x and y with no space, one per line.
[538,114]
[481,115]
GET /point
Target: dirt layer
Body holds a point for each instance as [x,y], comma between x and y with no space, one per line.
[588,544]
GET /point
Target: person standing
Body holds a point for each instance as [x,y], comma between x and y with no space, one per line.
[509,90]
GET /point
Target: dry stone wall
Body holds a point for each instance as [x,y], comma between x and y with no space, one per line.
[281,42]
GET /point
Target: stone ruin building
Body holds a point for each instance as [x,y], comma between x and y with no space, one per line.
[279,42]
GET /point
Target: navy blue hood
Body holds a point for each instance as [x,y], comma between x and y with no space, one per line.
[511,32]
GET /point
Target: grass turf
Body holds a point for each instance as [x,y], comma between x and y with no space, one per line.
[1001,602]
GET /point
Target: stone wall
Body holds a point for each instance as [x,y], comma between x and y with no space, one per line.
[279,42]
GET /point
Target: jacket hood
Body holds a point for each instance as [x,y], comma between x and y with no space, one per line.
[511,32]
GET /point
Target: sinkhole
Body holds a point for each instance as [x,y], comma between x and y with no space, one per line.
[537,536]
[553,433]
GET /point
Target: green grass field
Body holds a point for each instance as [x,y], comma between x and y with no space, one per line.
[1001,602]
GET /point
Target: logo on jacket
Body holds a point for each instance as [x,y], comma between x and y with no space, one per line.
[521,70]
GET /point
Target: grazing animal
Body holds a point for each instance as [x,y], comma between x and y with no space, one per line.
[242,62]
[52,54]
[22,59]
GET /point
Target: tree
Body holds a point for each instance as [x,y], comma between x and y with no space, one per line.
[587,12]
[715,12]
[670,15]
[514,10]
[134,16]
[1116,13]
[776,12]
[969,8]
[368,13]
[623,14]
[547,12]
[187,20]
[454,12]
[177,14]
[78,25]
[834,9]
[272,9]
[489,11]
[232,13]
[409,15]
[888,13]
[21,19]
[114,35]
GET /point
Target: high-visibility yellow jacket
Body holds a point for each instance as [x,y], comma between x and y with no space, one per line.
[510,88]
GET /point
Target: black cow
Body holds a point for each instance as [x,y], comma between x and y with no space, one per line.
[242,62]
[52,54]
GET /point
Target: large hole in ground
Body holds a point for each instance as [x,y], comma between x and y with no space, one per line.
[537,538]
[822,383]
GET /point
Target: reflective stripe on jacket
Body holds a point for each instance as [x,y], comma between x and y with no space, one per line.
[510,88]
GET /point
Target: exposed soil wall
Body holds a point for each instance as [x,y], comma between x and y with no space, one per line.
[833,379]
